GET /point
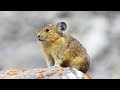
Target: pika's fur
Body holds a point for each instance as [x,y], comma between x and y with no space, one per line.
[62,50]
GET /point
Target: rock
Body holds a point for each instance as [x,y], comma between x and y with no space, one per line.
[44,73]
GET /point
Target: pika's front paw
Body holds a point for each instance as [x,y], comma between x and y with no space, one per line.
[56,66]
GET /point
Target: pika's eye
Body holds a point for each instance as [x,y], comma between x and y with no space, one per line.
[47,30]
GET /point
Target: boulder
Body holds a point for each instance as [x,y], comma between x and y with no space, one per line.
[44,73]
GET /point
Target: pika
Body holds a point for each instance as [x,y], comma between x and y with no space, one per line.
[62,50]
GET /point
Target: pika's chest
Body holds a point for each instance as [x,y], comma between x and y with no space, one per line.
[57,50]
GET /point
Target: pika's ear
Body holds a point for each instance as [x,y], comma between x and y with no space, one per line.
[62,27]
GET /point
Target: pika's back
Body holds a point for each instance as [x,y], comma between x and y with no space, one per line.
[74,45]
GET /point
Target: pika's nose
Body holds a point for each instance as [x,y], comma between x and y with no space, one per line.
[38,35]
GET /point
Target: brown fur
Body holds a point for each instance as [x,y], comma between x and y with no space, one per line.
[63,50]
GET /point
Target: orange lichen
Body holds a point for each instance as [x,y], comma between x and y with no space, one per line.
[60,73]
[51,74]
[88,76]
[12,72]
[41,75]
[62,68]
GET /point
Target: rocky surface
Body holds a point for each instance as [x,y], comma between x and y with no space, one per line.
[44,73]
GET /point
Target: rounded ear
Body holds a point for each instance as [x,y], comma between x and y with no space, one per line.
[62,27]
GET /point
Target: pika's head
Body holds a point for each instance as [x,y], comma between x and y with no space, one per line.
[51,32]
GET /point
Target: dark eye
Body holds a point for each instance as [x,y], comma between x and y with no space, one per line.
[47,30]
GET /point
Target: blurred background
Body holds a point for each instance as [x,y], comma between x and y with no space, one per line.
[98,31]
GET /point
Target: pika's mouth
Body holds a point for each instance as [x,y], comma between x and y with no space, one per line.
[41,40]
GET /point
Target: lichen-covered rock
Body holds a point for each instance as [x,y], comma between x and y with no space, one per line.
[44,73]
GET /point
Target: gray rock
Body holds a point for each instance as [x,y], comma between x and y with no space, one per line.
[44,73]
